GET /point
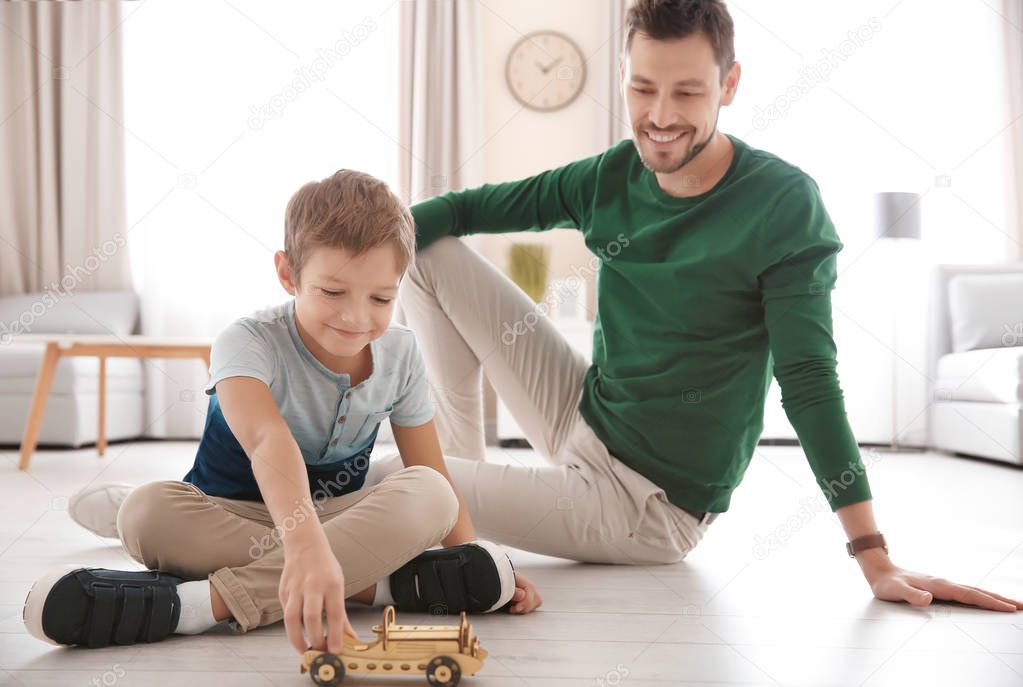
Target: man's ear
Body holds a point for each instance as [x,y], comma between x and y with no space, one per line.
[731,83]
[284,273]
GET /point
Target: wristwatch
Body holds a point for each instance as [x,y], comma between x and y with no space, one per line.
[869,541]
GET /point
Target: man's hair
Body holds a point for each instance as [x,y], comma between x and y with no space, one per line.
[663,20]
[349,210]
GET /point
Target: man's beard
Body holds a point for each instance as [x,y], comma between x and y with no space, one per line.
[693,151]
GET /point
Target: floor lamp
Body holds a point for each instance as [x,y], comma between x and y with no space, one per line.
[898,222]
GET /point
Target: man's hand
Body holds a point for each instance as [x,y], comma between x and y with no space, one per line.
[525,599]
[311,582]
[896,584]
[889,582]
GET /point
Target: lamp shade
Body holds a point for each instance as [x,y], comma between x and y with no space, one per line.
[898,215]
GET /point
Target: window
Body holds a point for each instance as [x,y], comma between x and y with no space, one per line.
[230,107]
[913,99]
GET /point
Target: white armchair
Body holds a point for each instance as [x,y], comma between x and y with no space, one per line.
[976,361]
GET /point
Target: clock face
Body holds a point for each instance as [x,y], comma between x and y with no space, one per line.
[545,71]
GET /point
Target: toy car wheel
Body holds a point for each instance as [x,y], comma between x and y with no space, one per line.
[327,670]
[443,671]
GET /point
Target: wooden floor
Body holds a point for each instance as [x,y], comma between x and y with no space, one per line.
[734,612]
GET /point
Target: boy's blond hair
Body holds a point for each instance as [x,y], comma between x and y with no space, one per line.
[349,210]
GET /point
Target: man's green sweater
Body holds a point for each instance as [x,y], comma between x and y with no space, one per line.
[697,300]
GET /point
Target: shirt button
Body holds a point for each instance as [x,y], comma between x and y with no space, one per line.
[341,419]
[334,443]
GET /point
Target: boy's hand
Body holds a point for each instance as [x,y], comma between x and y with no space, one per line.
[312,581]
[525,599]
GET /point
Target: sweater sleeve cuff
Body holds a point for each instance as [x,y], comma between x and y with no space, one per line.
[831,450]
[435,218]
[845,489]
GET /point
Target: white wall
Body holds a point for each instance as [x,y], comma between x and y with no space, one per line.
[522,142]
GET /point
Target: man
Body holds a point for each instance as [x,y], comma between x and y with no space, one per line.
[716,262]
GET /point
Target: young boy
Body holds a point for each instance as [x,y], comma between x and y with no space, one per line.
[272,521]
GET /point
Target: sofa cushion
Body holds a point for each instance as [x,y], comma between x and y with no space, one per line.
[989,374]
[986,311]
[85,312]
[19,368]
[72,420]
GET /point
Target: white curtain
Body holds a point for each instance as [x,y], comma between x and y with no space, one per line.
[441,98]
[615,120]
[1013,13]
[440,118]
[62,209]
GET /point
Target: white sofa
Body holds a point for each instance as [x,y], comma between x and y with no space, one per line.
[71,417]
[975,361]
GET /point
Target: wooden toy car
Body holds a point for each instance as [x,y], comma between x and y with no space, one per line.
[443,652]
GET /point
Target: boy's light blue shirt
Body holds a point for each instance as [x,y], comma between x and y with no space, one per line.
[333,423]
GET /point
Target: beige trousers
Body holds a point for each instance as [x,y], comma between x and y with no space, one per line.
[175,527]
[586,504]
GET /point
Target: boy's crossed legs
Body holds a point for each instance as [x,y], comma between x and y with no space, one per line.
[586,505]
[173,526]
[207,554]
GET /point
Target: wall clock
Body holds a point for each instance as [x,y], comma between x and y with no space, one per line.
[545,71]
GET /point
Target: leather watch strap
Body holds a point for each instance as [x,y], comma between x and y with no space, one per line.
[868,541]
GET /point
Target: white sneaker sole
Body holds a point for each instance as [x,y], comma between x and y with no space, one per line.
[35,601]
[505,571]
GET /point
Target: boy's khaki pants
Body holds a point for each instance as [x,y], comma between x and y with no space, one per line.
[175,527]
[586,505]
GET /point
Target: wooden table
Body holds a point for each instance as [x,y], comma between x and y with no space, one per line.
[102,346]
